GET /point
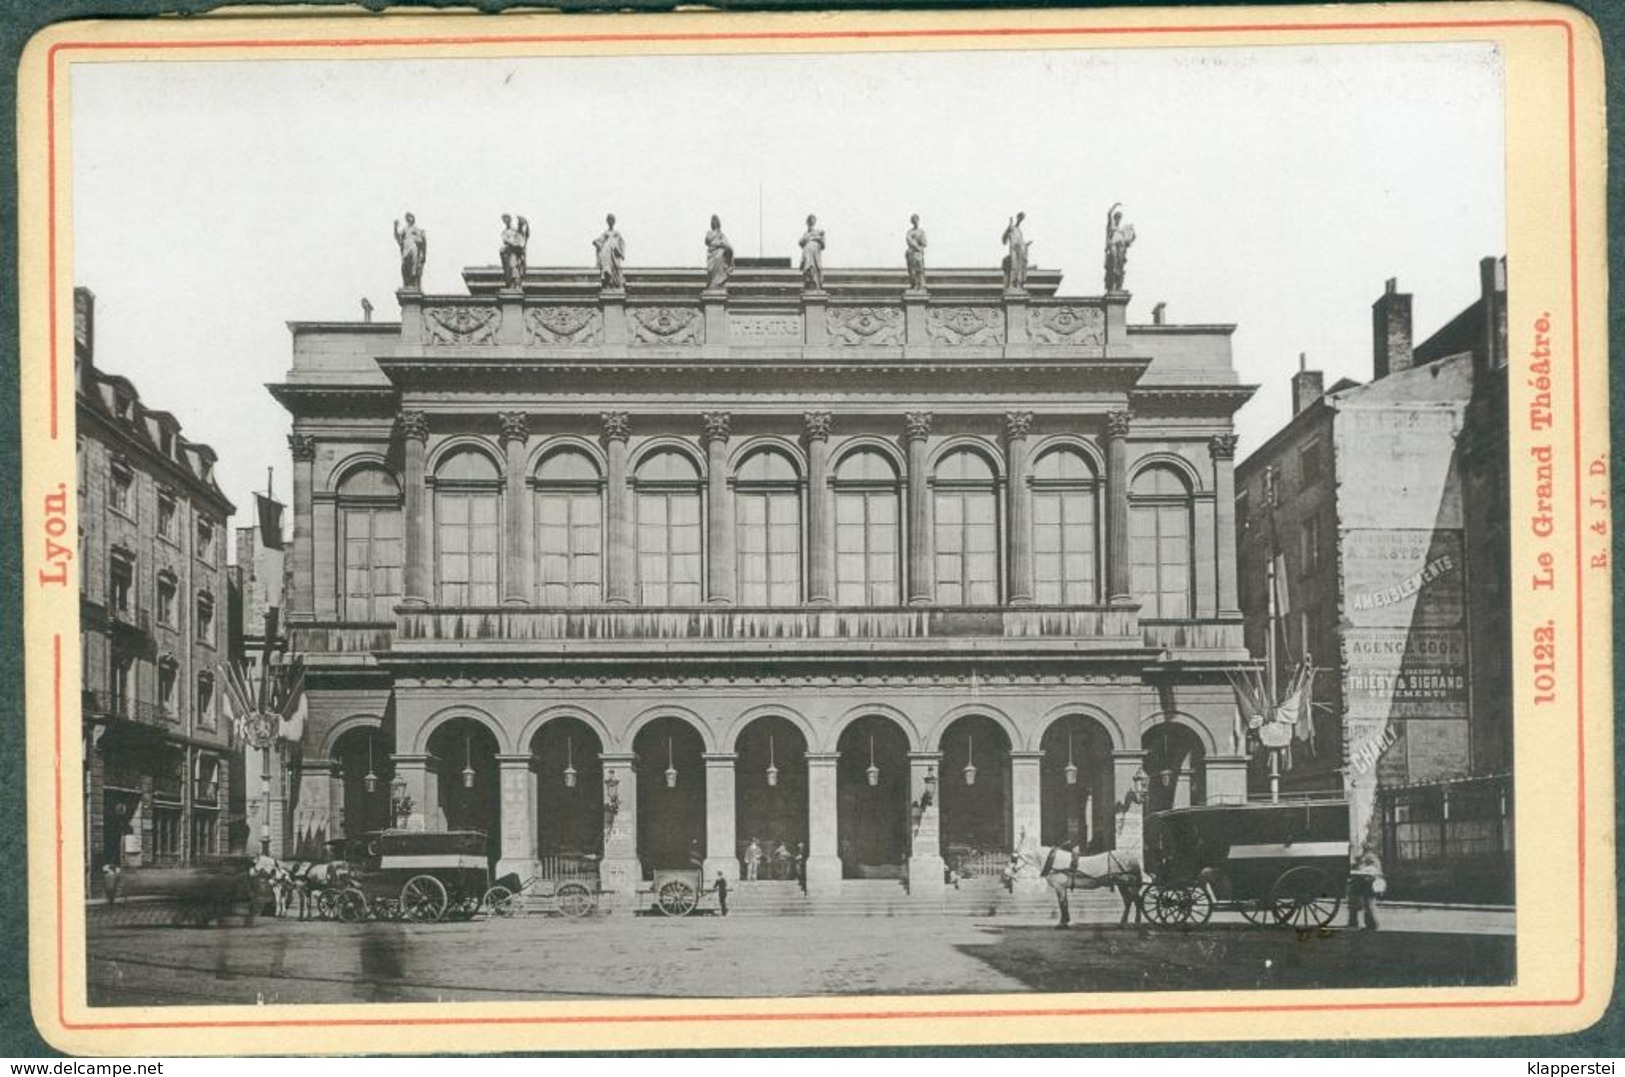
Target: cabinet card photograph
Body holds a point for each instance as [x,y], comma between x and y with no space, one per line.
[605,532]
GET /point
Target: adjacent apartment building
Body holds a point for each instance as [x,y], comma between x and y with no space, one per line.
[1384,507]
[897,576]
[153,596]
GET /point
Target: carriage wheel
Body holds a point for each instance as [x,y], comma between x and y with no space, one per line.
[423,899]
[350,906]
[1161,905]
[499,901]
[677,898]
[575,900]
[1304,898]
[1199,904]
[326,905]
[1257,911]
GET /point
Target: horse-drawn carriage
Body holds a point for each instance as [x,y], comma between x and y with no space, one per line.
[565,883]
[207,891]
[679,891]
[1282,863]
[421,876]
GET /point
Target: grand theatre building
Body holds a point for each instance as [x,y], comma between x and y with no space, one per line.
[904,577]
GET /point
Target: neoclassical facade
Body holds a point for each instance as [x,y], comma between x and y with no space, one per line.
[665,572]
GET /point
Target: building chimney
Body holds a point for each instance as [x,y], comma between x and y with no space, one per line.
[1492,282]
[1391,349]
[1308,385]
[1158,312]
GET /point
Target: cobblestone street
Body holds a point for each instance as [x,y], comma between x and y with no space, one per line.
[542,957]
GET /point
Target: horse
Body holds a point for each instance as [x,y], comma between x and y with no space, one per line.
[1064,870]
[304,880]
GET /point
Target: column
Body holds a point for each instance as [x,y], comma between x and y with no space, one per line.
[721,842]
[1019,494]
[313,822]
[414,427]
[516,585]
[1026,812]
[925,864]
[414,769]
[820,517]
[823,857]
[1128,777]
[921,555]
[719,512]
[1120,576]
[617,514]
[1226,779]
[620,874]
[516,788]
[1223,449]
[302,573]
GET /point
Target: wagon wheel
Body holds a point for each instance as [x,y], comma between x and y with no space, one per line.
[677,898]
[575,900]
[1304,898]
[1197,904]
[423,899]
[327,905]
[1161,905]
[499,901]
[350,906]
[1257,911]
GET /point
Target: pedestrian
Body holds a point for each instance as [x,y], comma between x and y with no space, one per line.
[1366,883]
[781,861]
[801,865]
[722,893]
[753,860]
[110,881]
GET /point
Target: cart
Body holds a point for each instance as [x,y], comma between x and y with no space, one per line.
[1274,863]
[564,884]
[679,891]
[420,876]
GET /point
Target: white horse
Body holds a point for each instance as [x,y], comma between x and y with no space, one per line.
[303,881]
[1064,870]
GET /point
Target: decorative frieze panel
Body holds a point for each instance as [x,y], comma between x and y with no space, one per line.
[458,326]
[865,325]
[563,326]
[1076,325]
[667,325]
[965,325]
[764,329]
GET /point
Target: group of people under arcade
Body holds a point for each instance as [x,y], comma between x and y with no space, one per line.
[774,860]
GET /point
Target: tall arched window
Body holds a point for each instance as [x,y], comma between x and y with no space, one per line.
[370,541]
[967,530]
[468,528]
[867,540]
[668,487]
[1064,531]
[569,530]
[1160,542]
[767,507]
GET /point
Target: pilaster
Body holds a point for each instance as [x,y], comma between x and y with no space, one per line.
[613,303]
[823,859]
[925,864]
[517,788]
[814,305]
[1015,317]
[1019,495]
[516,571]
[1223,449]
[1120,576]
[921,544]
[721,841]
[620,873]
[820,511]
[300,600]
[1026,814]
[421,788]
[414,428]
[618,568]
[720,568]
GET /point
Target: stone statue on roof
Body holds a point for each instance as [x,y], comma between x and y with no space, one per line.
[914,256]
[414,244]
[610,254]
[1119,237]
[514,239]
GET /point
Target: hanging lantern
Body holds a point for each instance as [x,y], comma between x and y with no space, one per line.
[671,767]
[772,767]
[371,780]
[468,763]
[930,779]
[1071,767]
[970,766]
[569,764]
[873,771]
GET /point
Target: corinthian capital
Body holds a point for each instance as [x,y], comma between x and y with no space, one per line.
[716,425]
[617,425]
[1222,446]
[1117,423]
[303,446]
[414,426]
[515,425]
[1017,424]
[816,425]
[917,425]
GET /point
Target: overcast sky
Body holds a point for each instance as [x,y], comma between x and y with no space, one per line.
[1275,188]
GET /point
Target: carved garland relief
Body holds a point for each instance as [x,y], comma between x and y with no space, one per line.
[865,325]
[1084,326]
[667,325]
[563,325]
[461,325]
[965,325]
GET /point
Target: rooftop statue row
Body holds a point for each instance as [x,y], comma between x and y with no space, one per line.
[609,253]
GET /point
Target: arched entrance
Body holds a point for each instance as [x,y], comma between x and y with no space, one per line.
[1175,766]
[366,767]
[872,786]
[670,765]
[569,789]
[464,753]
[770,796]
[974,787]
[1077,784]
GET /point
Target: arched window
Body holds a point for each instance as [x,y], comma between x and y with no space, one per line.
[1160,542]
[468,528]
[370,540]
[1065,539]
[668,488]
[967,530]
[767,507]
[569,530]
[867,540]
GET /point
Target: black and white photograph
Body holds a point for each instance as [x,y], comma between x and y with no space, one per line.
[799,523]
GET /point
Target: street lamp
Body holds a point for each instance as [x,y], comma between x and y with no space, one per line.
[970,766]
[772,767]
[671,767]
[1071,767]
[371,779]
[468,761]
[569,764]
[873,771]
